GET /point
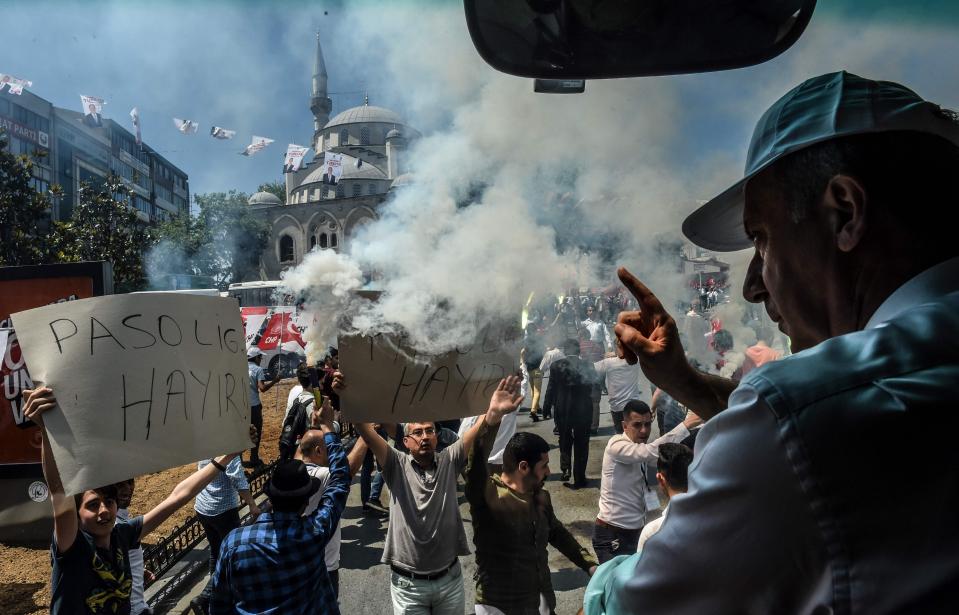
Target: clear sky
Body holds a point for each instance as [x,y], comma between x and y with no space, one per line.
[246,66]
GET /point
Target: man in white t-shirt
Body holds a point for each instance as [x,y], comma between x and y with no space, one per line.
[553,354]
[312,452]
[623,383]
[625,493]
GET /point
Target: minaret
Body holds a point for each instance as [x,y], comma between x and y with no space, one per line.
[320,103]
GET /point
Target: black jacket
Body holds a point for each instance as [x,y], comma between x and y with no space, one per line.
[569,393]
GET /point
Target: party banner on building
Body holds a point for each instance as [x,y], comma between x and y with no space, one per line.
[333,167]
[92,110]
[294,157]
[144,382]
[135,116]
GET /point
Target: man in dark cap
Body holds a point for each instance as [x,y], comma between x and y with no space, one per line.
[793,504]
[276,565]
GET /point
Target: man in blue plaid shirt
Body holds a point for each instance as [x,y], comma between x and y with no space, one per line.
[255,574]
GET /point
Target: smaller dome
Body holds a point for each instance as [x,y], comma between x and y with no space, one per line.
[393,134]
[264,198]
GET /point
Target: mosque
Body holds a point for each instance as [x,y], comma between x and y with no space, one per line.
[317,215]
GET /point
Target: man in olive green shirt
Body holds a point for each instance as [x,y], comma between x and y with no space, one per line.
[513,521]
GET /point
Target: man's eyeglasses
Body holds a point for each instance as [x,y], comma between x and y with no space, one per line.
[420,433]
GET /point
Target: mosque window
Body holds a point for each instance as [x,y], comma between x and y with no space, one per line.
[365,135]
[357,190]
[323,240]
[286,249]
[340,191]
[332,240]
[344,136]
[371,189]
[312,241]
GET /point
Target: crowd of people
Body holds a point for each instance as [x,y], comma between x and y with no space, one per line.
[780,503]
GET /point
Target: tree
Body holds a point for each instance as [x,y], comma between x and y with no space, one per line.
[224,240]
[105,227]
[24,218]
[276,188]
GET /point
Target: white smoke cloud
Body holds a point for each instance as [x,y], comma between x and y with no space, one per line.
[518,192]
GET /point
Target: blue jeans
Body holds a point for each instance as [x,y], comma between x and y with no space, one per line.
[371,479]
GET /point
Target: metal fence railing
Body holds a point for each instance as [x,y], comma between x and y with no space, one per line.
[160,558]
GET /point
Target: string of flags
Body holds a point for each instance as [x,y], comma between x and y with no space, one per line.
[92,107]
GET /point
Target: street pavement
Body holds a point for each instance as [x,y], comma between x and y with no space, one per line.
[365,582]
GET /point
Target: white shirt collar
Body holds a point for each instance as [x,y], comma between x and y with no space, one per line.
[929,285]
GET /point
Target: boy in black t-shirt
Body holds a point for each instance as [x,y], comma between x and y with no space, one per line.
[90,549]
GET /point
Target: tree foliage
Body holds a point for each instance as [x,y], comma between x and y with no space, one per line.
[24,218]
[105,227]
[223,240]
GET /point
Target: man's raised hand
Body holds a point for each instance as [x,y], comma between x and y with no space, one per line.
[650,334]
[506,398]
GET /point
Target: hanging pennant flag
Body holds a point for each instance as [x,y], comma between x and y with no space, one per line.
[222,133]
[135,116]
[294,157]
[14,85]
[333,163]
[187,127]
[256,145]
[92,110]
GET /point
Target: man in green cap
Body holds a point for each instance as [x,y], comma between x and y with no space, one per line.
[800,497]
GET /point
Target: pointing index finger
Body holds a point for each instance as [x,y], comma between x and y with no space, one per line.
[646,298]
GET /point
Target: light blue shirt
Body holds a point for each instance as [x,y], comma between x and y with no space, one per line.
[759,532]
[256,375]
[221,494]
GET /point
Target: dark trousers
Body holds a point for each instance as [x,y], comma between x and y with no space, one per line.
[256,419]
[216,528]
[617,421]
[371,479]
[335,582]
[574,443]
[608,542]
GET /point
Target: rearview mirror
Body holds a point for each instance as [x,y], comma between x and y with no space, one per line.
[599,39]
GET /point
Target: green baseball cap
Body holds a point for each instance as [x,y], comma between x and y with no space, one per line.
[822,108]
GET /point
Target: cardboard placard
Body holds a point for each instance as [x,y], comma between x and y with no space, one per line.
[388,382]
[144,382]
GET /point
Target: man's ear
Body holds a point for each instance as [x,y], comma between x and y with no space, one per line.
[847,202]
[662,481]
[523,466]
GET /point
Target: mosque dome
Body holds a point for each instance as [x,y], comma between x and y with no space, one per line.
[264,198]
[393,134]
[365,114]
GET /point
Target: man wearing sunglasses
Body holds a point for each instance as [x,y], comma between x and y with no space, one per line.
[425,536]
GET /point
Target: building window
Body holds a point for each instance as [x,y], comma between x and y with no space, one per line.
[340,191]
[286,249]
[332,240]
[344,136]
[371,189]
[312,241]
[357,189]
[323,241]
[365,135]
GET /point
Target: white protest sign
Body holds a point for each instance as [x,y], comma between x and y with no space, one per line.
[387,382]
[144,382]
